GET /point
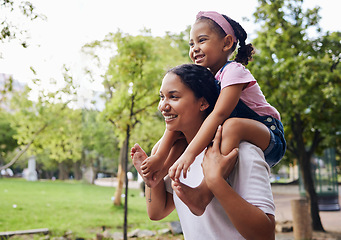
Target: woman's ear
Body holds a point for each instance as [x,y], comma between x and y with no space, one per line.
[228,41]
[204,104]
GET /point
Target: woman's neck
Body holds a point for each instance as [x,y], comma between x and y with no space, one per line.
[190,133]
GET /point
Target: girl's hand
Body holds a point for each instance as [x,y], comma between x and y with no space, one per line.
[216,165]
[182,164]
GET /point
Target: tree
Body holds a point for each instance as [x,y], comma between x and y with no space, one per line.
[99,142]
[300,76]
[7,141]
[44,124]
[131,83]
[9,29]
[5,87]
[62,140]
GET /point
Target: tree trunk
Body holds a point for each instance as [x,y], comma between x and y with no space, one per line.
[63,175]
[301,219]
[77,170]
[303,157]
[125,225]
[121,172]
[120,180]
[306,172]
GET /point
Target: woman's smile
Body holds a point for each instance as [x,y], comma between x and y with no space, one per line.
[169,117]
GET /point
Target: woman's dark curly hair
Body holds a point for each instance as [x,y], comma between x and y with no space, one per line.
[245,51]
[200,80]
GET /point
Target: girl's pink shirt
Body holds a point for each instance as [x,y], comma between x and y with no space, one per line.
[252,96]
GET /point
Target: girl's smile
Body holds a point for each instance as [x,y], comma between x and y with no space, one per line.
[199,58]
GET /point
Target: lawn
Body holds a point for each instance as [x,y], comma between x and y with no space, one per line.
[70,206]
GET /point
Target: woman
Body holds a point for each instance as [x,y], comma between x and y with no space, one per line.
[242,207]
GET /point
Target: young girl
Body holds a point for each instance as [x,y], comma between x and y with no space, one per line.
[249,117]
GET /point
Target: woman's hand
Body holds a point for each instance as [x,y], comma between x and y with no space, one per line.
[216,165]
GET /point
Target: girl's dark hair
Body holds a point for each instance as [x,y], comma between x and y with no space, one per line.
[200,80]
[245,51]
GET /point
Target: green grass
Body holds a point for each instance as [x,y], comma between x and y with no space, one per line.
[70,206]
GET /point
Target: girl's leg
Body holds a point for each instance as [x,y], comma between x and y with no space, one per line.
[234,131]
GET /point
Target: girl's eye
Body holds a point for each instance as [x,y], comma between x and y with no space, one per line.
[174,97]
[202,39]
[161,96]
[191,44]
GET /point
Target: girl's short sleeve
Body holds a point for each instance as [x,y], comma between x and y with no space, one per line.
[235,73]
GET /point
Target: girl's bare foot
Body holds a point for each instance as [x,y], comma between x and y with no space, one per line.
[151,165]
[138,156]
[196,199]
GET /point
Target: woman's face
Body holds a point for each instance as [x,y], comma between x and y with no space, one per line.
[181,109]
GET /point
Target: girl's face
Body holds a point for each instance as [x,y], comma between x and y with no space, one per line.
[207,48]
[179,106]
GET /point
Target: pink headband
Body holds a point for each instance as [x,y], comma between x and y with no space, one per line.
[220,20]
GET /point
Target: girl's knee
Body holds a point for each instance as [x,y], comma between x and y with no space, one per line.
[232,126]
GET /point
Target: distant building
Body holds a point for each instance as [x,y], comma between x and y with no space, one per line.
[87,98]
[7,86]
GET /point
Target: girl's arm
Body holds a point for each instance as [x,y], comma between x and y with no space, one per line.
[249,220]
[155,162]
[227,101]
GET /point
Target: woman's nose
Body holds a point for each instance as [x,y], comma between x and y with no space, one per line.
[164,106]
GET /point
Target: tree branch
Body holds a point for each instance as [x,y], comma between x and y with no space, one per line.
[21,152]
[147,106]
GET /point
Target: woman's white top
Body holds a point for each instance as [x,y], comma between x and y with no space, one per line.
[250,179]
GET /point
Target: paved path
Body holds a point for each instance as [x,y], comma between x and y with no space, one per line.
[331,221]
[283,194]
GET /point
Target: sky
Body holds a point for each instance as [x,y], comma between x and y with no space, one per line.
[72,23]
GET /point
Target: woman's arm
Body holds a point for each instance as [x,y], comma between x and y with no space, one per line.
[226,103]
[249,220]
[159,202]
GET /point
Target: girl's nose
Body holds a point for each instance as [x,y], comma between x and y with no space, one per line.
[195,48]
